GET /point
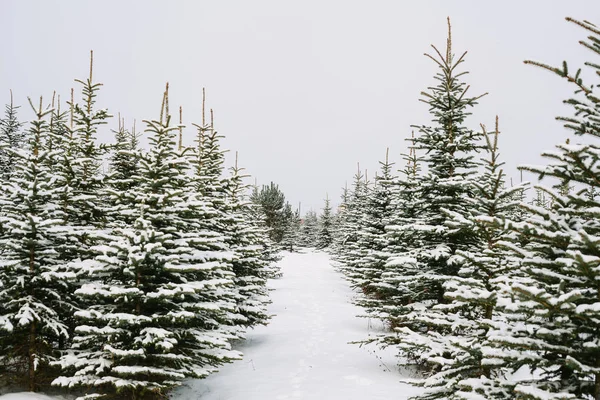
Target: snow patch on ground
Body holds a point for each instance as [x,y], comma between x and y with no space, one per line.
[28,396]
[304,353]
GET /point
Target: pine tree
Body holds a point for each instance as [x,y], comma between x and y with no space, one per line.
[34,288]
[553,324]
[12,138]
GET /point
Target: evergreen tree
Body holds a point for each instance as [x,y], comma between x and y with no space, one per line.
[386,298]
[373,236]
[325,227]
[250,267]
[257,218]
[160,290]
[348,251]
[124,159]
[457,346]
[553,323]
[33,276]
[291,232]
[272,201]
[309,230]
[290,228]
[12,138]
[447,189]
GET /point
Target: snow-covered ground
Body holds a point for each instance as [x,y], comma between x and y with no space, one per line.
[304,352]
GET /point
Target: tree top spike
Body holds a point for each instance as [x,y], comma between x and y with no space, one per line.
[449,42]
[203,107]
[91,63]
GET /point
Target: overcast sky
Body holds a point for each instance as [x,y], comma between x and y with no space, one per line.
[302,89]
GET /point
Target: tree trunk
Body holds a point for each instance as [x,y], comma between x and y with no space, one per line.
[32,357]
[32,329]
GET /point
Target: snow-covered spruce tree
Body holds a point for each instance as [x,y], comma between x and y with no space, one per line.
[33,280]
[373,236]
[553,325]
[347,250]
[325,226]
[12,138]
[386,297]
[245,240]
[354,249]
[445,189]
[291,232]
[159,291]
[84,176]
[256,216]
[272,201]
[124,159]
[457,346]
[309,229]
[338,219]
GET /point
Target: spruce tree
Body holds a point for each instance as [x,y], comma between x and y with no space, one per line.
[250,267]
[325,226]
[272,201]
[553,324]
[348,251]
[159,292]
[291,232]
[386,298]
[309,230]
[459,354]
[373,237]
[34,288]
[445,190]
[12,138]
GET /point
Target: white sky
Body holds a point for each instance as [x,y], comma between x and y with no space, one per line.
[302,89]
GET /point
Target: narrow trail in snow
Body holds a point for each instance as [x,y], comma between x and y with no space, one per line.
[304,352]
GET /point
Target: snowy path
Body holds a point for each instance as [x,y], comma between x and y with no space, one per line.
[304,352]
